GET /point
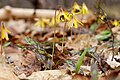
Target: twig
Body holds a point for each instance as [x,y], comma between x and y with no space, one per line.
[8,12]
[108,24]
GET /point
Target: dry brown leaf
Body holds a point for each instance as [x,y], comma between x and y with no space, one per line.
[48,36]
[101,27]
[7,74]
[11,50]
[115,29]
[80,77]
[79,43]
[118,36]
[50,75]
[112,75]
[17,26]
[54,39]
[113,64]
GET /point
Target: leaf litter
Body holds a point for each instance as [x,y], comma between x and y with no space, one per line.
[29,53]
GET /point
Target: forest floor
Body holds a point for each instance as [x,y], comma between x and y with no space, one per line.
[55,53]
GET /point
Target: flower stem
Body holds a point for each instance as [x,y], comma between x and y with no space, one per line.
[63,36]
[53,50]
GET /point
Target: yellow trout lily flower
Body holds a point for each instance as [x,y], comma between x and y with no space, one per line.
[63,16]
[4,32]
[101,18]
[74,23]
[53,22]
[42,22]
[84,9]
[76,9]
[115,23]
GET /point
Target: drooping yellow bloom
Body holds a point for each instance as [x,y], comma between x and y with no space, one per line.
[84,9]
[69,18]
[74,23]
[39,23]
[76,9]
[54,21]
[42,22]
[63,16]
[101,18]
[116,23]
[4,32]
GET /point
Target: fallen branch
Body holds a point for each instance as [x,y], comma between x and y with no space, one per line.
[9,12]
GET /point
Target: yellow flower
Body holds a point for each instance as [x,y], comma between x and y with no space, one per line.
[116,23]
[4,32]
[84,9]
[63,16]
[53,22]
[39,23]
[101,18]
[74,23]
[42,22]
[76,9]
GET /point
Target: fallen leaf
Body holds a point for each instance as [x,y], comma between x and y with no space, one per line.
[50,75]
[79,43]
[17,26]
[80,77]
[113,63]
[7,74]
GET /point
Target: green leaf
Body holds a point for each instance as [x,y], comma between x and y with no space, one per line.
[103,35]
[30,41]
[93,27]
[105,32]
[6,44]
[20,46]
[80,60]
